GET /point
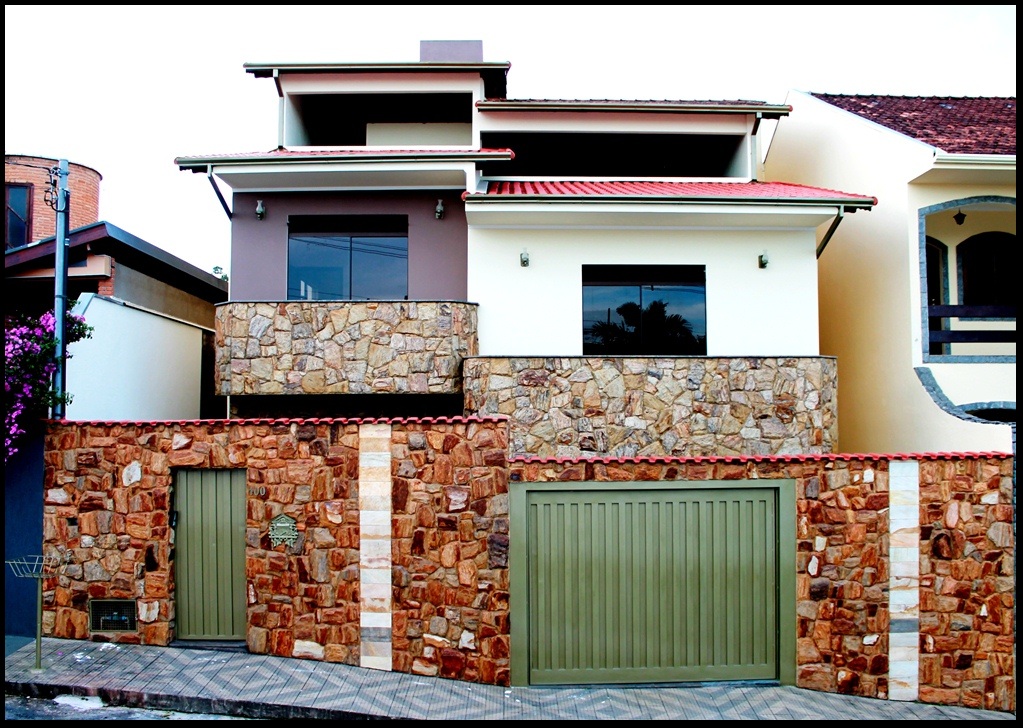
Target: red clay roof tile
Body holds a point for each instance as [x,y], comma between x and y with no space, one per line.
[682,190]
[953,124]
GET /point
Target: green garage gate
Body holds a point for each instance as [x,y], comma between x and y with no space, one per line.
[653,582]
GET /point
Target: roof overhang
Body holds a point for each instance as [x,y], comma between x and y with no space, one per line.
[666,214]
[978,169]
[356,171]
[494,74]
[766,111]
[103,239]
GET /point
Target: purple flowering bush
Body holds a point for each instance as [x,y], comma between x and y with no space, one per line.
[30,359]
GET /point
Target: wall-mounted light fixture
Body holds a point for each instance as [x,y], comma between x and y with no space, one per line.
[438,211]
[260,210]
[959,217]
[763,260]
[524,259]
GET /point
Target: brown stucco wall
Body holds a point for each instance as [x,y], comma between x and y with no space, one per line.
[438,249]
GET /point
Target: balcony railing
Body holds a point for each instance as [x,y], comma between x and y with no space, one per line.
[944,325]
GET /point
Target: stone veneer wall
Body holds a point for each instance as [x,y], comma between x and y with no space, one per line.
[648,406]
[424,504]
[338,347]
[967,590]
[846,595]
[450,551]
[423,590]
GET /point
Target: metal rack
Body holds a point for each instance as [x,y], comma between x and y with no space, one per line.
[38,567]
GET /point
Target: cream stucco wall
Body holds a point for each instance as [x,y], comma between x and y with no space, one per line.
[136,366]
[537,310]
[870,286]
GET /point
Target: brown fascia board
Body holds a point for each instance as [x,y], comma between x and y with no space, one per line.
[102,238]
[494,73]
[767,111]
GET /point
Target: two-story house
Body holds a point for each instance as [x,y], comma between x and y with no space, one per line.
[614,276]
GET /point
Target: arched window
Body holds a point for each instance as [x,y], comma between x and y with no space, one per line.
[986,263]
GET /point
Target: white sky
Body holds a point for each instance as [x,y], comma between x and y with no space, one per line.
[126,89]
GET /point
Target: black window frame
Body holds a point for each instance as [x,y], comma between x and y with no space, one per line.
[26,219]
[348,230]
[643,328]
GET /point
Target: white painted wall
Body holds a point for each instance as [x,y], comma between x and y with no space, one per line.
[870,285]
[537,310]
[137,365]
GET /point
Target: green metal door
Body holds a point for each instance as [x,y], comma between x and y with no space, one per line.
[639,583]
[210,554]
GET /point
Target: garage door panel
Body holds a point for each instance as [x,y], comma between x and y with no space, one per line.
[652,585]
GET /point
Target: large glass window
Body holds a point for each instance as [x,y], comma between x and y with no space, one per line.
[353,257]
[18,225]
[644,310]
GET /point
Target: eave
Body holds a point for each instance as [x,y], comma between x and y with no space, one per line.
[977,169]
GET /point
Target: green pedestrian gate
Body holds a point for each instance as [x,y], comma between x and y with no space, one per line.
[653,582]
[210,554]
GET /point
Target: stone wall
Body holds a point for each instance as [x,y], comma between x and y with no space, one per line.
[904,565]
[844,585]
[967,573]
[450,552]
[338,347]
[681,406]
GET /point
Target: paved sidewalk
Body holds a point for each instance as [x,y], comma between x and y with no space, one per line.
[259,686]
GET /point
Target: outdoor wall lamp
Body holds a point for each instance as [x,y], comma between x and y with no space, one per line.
[524,259]
[260,210]
[763,260]
[438,211]
[959,217]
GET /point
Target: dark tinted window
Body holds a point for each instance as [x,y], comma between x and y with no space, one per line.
[644,310]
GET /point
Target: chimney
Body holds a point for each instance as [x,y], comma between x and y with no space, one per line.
[451,51]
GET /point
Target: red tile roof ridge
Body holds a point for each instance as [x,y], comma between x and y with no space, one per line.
[454,419]
[355,151]
[760,458]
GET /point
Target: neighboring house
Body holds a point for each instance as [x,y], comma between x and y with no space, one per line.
[150,354]
[531,392]
[29,182]
[916,299]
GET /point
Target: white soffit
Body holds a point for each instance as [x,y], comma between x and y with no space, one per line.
[647,215]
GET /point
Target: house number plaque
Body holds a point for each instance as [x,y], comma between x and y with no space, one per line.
[283,529]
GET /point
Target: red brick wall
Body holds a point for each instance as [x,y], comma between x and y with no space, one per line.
[83,183]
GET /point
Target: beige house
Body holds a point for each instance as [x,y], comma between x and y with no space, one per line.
[915,298]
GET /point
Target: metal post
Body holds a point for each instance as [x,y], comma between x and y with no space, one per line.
[61,246]
[39,623]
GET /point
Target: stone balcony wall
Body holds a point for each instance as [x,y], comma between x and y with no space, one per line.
[646,406]
[343,347]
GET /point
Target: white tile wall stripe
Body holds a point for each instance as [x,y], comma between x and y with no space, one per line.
[904,582]
[375,546]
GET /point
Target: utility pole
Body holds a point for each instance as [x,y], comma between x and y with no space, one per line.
[61,246]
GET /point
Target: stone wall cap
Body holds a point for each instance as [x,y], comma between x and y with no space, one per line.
[524,459]
[290,421]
